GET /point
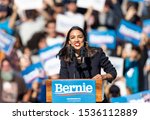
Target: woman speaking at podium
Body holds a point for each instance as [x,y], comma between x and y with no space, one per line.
[79,61]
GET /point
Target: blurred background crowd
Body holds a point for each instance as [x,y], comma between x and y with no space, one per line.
[35,30]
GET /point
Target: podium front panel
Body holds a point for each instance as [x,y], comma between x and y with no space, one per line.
[73,91]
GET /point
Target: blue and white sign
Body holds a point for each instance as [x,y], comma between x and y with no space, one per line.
[73,91]
[137,0]
[34,72]
[50,63]
[146,27]
[129,32]
[28,4]
[6,43]
[141,97]
[140,0]
[98,38]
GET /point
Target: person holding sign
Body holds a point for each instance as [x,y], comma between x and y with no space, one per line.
[78,60]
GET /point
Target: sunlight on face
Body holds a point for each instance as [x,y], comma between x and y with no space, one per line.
[76,39]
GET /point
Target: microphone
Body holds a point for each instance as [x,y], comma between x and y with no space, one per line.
[71,53]
[83,54]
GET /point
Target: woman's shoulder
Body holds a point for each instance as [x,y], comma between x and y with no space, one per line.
[94,51]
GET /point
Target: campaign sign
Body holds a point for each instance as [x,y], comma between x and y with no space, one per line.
[6,42]
[73,91]
[141,97]
[98,38]
[137,0]
[34,72]
[129,32]
[65,22]
[28,4]
[50,63]
[146,27]
[140,0]
[95,4]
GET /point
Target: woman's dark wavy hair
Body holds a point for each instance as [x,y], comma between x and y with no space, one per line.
[66,53]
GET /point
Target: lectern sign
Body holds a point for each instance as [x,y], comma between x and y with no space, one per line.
[73,91]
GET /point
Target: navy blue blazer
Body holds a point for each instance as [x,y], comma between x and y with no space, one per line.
[91,67]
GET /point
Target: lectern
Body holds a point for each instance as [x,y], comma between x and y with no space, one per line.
[73,91]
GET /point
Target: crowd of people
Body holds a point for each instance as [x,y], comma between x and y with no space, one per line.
[35,29]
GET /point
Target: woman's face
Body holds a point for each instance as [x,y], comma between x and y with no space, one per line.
[24,62]
[6,66]
[76,39]
[51,28]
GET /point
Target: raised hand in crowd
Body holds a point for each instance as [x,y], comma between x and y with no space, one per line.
[13,16]
[42,11]
[130,13]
